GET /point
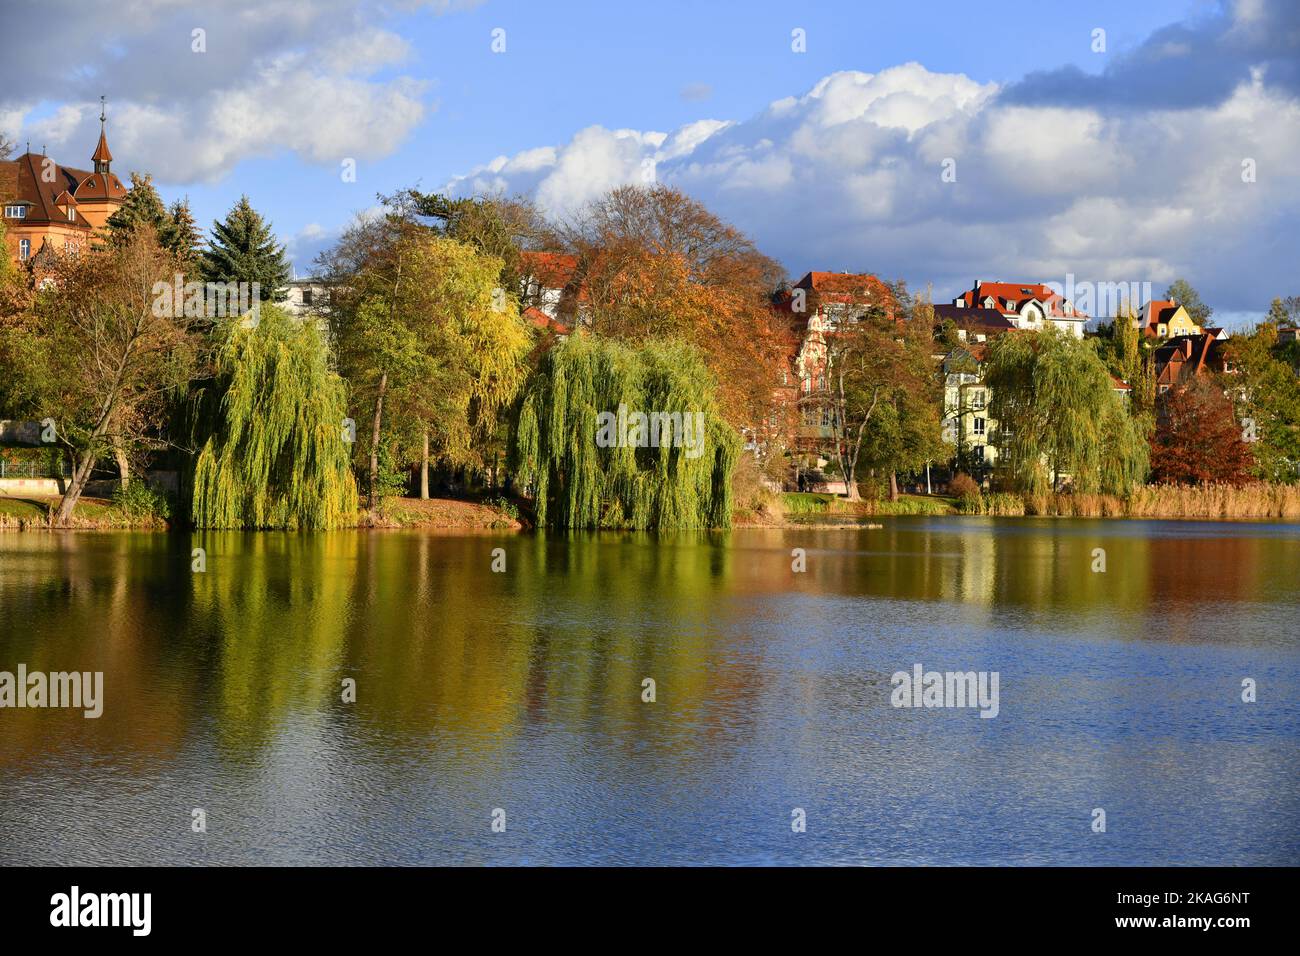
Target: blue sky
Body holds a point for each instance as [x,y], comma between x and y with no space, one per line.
[1063,154]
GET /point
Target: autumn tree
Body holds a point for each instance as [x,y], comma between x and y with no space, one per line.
[905,430]
[427,339]
[112,360]
[655,264]
[497,227]
[1198,438]
[882,380]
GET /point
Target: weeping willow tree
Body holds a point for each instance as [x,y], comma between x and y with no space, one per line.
[592,438]
[1059,414]
[269,429]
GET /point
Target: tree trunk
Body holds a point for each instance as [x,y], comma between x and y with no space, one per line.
[80,475]
[893,485]
[372,497]
[424,469]
[123,466]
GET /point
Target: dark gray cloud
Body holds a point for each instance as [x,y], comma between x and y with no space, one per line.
[1183,65]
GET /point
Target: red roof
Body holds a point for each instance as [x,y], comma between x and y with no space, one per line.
[1018,292]
[102,155]
[1159,310]
[848,287]
[543,321]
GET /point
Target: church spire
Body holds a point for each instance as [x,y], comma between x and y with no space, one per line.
[102,156]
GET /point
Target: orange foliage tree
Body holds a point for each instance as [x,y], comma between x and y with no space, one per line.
[1198,438]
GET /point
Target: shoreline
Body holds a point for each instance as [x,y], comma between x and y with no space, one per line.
[462,516]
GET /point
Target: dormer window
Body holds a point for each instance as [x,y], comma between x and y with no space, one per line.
[72,214]
[1011,305]
[16,212]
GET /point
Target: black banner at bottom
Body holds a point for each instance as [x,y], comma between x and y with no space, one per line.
[128,905]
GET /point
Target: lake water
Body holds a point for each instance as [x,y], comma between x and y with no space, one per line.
[522,691]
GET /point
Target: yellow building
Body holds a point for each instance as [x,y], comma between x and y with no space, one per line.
[1165,319]
[57,209]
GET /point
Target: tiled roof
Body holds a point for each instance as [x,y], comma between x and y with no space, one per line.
[1020,292]
[846,287]
[543,321]
[974,317]
[1157,311]
[44,193]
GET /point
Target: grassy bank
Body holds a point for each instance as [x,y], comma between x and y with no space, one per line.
[91,514]
[445,513]
[98,514]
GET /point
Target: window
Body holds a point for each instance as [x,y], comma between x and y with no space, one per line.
[979,427]
[72,214]
[306,297]
[1163,389]
[979,452]
[24,249]
[979,398]
[1011,305]
[15,212]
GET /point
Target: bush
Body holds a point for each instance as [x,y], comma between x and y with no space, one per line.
[967,492]
[139,502]
[504,505]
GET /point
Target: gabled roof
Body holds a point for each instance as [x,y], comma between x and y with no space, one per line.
[846,287]
[1194,351]
[1003,293]
[1158,311]
[43,192]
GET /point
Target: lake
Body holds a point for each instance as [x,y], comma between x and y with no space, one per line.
[516,696]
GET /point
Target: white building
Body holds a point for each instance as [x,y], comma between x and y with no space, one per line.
[1025,305]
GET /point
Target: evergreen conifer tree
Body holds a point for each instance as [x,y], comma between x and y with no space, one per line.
[243,249]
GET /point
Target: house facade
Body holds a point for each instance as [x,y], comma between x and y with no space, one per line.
[966,421]
[1032,306]
[50,209]
[1165,319]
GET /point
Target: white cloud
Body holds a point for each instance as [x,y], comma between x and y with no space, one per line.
[848,176]
[312,78]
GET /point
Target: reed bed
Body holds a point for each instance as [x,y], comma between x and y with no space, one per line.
[1259,500]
